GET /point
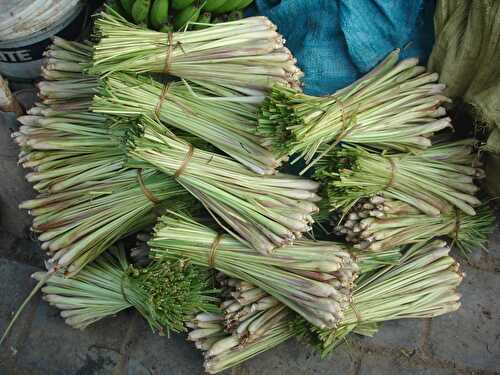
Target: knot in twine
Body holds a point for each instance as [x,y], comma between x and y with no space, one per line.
[392,178]
[213,248]
[182,168]
[145,190]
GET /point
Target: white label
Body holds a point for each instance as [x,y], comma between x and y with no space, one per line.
[21,55]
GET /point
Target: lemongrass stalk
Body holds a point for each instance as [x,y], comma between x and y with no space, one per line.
[275,336]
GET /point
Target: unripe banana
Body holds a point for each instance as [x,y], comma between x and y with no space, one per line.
[243,4]
[117,7]
[227,7]
[127,6]
[211,5]
[181,4]
[191,13]
[204,18]
[159,13]
[140,11]
[219,19]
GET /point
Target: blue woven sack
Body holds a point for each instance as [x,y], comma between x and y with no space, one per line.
[337,41]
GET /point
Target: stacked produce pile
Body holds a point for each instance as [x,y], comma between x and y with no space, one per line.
[89,197]
[406,290]
[112,151]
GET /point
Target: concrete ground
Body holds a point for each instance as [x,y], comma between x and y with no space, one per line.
[466,342]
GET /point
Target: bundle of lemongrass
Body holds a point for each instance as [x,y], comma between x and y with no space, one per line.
[66,60]
[395,106]
[312,278]
[65,149]
[76,226]
[165,293]
[262,211]
[254,328]
[66,86]
[89,197]
[246,55]
[378,224]
[251,321]
[422,285]
[424,181]
[223,350]
[229,126]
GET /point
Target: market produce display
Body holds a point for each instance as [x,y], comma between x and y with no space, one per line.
[188,159]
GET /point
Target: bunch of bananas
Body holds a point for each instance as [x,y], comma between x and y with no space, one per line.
[170,15]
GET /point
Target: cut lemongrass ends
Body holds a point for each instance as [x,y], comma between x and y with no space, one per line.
[378,223]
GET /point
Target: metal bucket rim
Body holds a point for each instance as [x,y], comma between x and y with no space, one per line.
[46,32]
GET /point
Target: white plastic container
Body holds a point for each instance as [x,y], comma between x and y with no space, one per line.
[26,27]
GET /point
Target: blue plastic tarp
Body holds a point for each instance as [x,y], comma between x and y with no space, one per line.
[337,41]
